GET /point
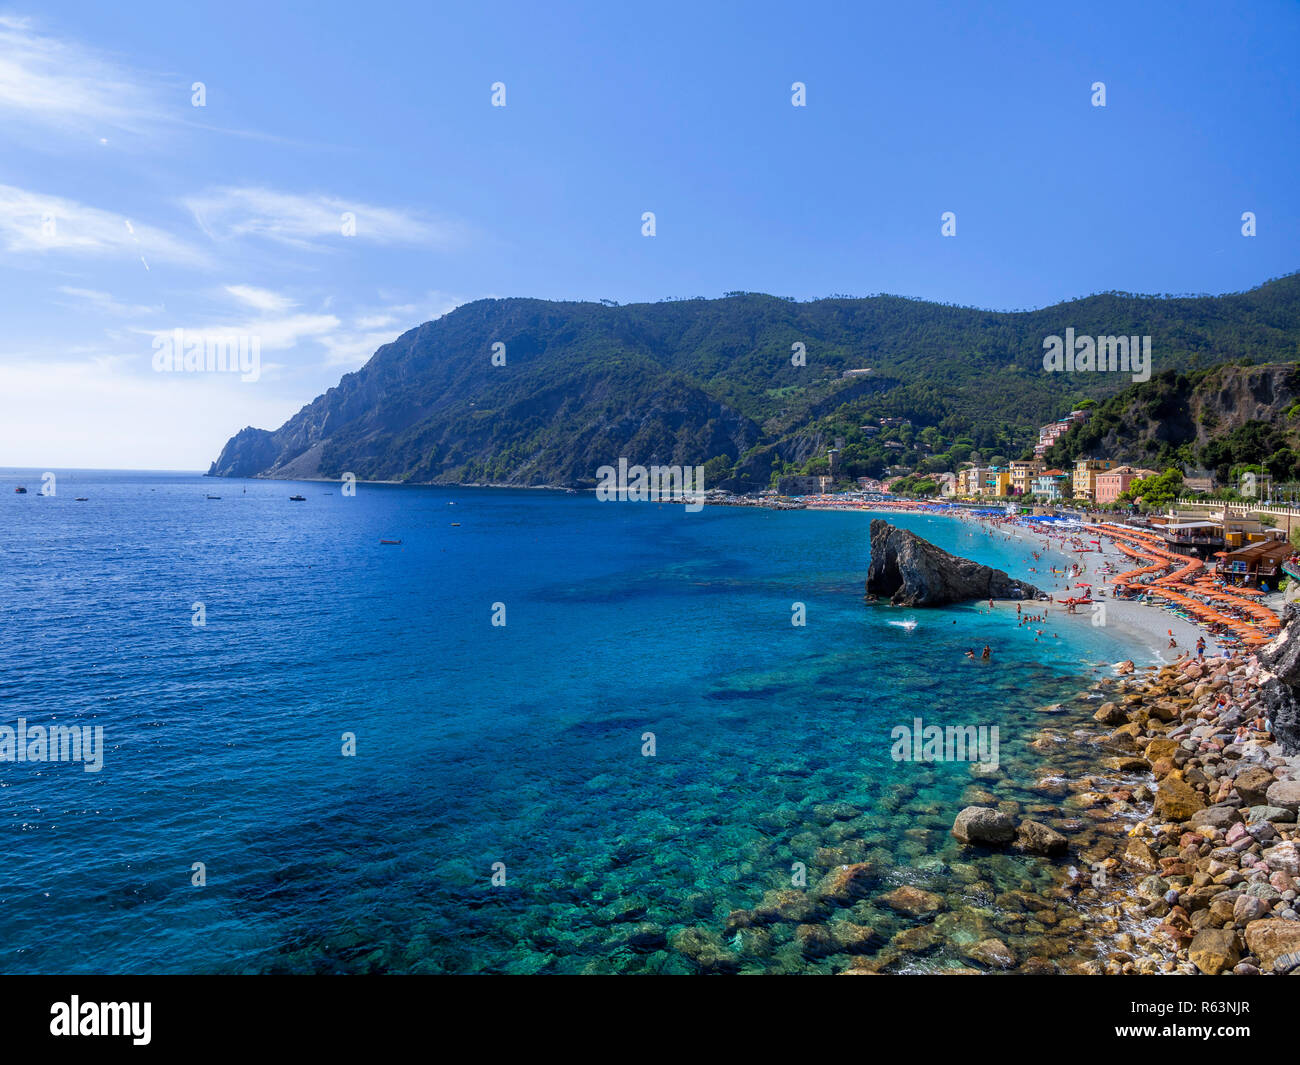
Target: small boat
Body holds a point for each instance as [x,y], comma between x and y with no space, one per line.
[390,541]
[21,490]
[297,499]
[455,525]
[80,499]
[214,497]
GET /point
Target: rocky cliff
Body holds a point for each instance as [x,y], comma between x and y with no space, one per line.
[1279,682]
[913,572]
[1204,419]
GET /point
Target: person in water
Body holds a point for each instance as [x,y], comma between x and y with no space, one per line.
[985,655]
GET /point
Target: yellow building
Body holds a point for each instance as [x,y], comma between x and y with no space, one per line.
[1085,476]
[997,481]
[1022,476]
[970,481]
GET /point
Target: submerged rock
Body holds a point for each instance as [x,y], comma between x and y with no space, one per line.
[1033,837]
[846,883]
[993,953]
[913,901]
[914,572]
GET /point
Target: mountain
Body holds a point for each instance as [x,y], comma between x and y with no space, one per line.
[711,382]
[1215,419]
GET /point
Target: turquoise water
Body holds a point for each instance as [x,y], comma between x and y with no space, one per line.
[475,744]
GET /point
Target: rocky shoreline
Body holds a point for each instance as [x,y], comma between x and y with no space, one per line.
[1207,878]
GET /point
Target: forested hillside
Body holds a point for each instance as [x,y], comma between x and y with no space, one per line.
[712,382]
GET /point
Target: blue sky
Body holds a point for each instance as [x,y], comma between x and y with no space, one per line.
[226,219]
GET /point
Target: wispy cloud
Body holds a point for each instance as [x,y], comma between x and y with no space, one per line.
[33,223]
[260,299]
[275,334]
[62,86]
[103,301]
[353,346]
[309,220]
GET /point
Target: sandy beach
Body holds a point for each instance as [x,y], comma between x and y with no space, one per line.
[1146,626]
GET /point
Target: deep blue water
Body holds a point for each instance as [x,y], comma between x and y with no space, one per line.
[476,744]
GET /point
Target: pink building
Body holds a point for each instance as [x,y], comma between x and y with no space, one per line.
[1049,434]
[1111,484]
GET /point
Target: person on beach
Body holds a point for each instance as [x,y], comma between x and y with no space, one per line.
[1200,648]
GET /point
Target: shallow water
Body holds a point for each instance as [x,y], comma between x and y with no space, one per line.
[477,744]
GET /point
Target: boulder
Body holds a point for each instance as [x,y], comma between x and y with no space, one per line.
[1033,837]
[1284,857]
[1247,908]
[1284,793]
[910,571]
[1252,784]
[1213,950]
[1176,800]
[1270,939]
[980,825]
[1111,714]
[1160,748]
[1138,855]
[1216,817]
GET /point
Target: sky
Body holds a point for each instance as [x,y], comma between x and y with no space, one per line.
[127,211]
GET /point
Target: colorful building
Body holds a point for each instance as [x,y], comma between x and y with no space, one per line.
[1022,476]
[997,481]
[1050,485]
[1085,476]
[1111,484]
[970,481]
[1050,433]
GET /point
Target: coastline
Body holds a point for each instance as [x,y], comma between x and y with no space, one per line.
[1186,833]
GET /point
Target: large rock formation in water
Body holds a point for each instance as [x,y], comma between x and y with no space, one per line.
[1279,681]
[913,572]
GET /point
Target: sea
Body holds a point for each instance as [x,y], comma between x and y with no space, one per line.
[540,734]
